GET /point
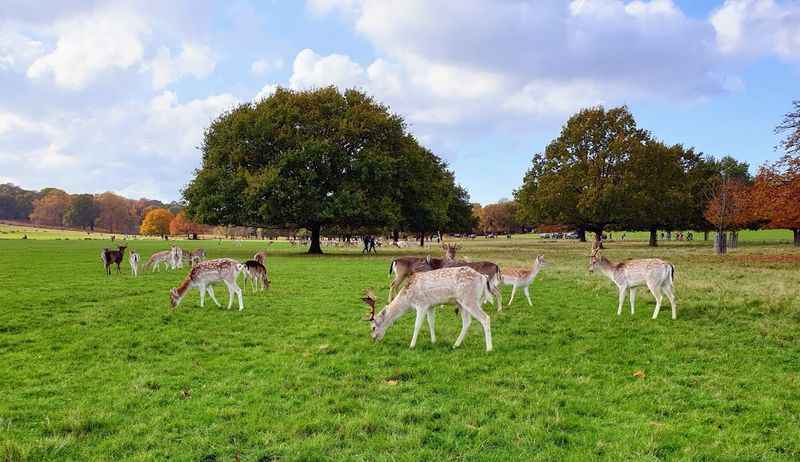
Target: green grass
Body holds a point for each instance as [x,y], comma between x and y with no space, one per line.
[99,368]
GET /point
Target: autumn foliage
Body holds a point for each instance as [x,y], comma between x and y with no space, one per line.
[156,222]
[183,225]
[50,209]
[776,195]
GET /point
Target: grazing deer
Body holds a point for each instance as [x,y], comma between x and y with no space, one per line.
[133,259]
[257,274]
[177,256]
[464,286]
[158,258]
[657,274]
[206,273]
[261,256]
[406,266]
[110,257]
[522,278]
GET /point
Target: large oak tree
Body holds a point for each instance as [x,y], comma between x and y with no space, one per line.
[317,158]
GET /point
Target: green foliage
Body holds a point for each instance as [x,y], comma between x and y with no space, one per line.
[579,180]
[82,211]
[16,203]
[308,159]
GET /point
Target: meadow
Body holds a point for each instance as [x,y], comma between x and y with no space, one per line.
[101,368]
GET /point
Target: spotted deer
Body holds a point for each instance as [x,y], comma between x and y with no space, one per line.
[206,273]
[522,278]
[158,258]
[658,275]
[404,267]
[260,257]
[464,286]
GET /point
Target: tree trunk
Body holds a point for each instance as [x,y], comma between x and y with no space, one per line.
[720,243]
[598,239]
[705,235]
[581,234]
[422,239]
[669,235]
[395,236]
[733,239]
[653,238]
[315,248]
[796,237]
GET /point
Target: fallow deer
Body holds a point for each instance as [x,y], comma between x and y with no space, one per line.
[196,256]
[489,269]
[110,257]
[133,259]
[260,257]
[657,274]
[522,278]
[464,286]
[403,267]
[257,274]
[158,258]
[206,273]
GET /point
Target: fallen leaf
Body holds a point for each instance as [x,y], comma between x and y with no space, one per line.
[639,374]
[391,382]
[186,393]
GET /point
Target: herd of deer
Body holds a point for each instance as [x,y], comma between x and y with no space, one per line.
[435,281]
[419,283]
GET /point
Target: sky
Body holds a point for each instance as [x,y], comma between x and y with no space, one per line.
[115,95]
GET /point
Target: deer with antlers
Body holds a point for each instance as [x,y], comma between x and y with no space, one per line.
[464,286]
[206,273]
[522,278]
[404,267]
[658,275]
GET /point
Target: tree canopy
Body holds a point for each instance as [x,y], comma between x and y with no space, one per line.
[156,222]
[308,159]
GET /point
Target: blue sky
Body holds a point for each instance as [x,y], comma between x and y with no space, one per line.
[98,96]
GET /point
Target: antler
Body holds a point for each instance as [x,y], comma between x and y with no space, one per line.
[595,249]
[369,299]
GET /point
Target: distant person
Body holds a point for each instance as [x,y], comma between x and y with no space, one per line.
[622,238]
[24,236]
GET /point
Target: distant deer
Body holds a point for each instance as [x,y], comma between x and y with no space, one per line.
[257,274]
[465,286]
[158,258]
[657,274]
[196,256]
[403,267]
[206,273]
[110,257]
[522,278]
[177,256]
[133,259]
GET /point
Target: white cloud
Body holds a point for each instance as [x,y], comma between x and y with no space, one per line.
[90,44]
[16,49]
[265,92]
[263,66]
[758,27]
[312,70]
[193,60]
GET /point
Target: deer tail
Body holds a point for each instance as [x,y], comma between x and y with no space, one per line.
[671,273]
[391,267]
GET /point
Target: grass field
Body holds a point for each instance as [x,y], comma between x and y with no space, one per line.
[100,368]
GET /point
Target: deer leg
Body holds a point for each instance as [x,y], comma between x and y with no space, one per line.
[417,325]
[466,319]
[528,296]
[483,318]
[622,291]
[202,296]
[498,297]
[513,291]
[633,299]
[239,294]
[671,296]
[210,291]
[431,315]
[656,291]
[230,294]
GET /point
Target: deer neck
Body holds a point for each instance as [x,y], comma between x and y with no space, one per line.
[607,267]
[388,315]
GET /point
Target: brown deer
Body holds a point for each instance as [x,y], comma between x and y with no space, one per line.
[110,257]
[404,267]
[257,274]
[260,256]
[206,273]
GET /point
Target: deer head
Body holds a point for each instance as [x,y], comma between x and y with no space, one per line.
[450,250]
[377,330]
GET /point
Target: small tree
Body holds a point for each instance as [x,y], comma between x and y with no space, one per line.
[116,213]
[776,195]
[181,224]
[729,210]
[156,223]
